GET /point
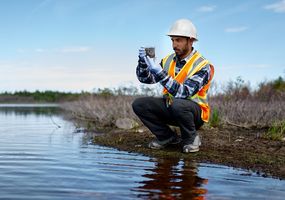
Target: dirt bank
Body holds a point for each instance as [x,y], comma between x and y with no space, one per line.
[230,146]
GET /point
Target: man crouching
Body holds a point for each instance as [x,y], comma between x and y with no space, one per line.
[186,77]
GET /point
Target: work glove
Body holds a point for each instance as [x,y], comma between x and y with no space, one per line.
[142,53]
[153,67]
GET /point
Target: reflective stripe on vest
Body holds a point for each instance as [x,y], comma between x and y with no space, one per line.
[193,65]
[166,61]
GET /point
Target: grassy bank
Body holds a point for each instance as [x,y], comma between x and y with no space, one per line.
[234,147]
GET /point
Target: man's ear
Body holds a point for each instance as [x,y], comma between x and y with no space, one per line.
[191,41]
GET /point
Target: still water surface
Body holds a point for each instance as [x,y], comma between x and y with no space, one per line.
[39,160]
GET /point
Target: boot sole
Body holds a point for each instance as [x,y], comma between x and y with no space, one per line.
[190,150]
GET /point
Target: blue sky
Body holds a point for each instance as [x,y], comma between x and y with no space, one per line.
[74,45]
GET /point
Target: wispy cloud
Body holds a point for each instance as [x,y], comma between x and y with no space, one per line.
[21,50]
[40,50]
[207,8]
[74,49]
[278,7]
[39,6]
[236,29]
[58,77]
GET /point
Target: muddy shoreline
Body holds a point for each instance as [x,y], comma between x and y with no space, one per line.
[230,146]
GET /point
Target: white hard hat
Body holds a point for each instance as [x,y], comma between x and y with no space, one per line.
[184,28]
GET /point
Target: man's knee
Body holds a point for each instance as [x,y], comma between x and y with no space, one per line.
[136,105]
[183,107]
[139,104]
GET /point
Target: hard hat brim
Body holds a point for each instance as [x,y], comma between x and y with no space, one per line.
[177,35]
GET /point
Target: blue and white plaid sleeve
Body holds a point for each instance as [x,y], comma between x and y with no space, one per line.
[143,73]
[191,85]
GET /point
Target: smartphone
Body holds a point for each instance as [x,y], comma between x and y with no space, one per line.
[150,51]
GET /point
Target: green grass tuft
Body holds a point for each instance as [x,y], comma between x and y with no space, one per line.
[276,131]
[215,119]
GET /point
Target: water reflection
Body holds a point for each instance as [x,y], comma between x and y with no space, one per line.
[27,109]
[39,160]
[173,179]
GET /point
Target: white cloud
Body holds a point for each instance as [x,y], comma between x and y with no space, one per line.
[40,50]
[40,6]
[75,49]
[236,29]
[61,78]
[208,8]
[60,71]
[278,7]
[20,50]
[79,49]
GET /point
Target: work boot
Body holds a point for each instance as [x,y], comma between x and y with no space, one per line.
[156,144]
[192,147]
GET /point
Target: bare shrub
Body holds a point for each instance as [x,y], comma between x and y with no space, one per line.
[240,106]
[249,112]
[236,105]
[101,111]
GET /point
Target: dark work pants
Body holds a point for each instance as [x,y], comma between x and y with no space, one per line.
[154,114]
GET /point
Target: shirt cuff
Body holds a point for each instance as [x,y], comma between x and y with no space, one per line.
[161,76]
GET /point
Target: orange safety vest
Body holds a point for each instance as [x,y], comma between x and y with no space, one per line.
[193,65]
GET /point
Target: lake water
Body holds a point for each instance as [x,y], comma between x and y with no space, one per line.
[40,160]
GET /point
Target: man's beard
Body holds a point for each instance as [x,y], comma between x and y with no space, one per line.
[181,52]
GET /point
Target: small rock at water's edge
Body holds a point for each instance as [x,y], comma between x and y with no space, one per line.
[125,123]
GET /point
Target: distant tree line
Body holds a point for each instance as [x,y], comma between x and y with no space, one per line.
[237,89]
[39,96]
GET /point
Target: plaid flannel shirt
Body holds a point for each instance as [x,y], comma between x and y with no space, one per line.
[184,90]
